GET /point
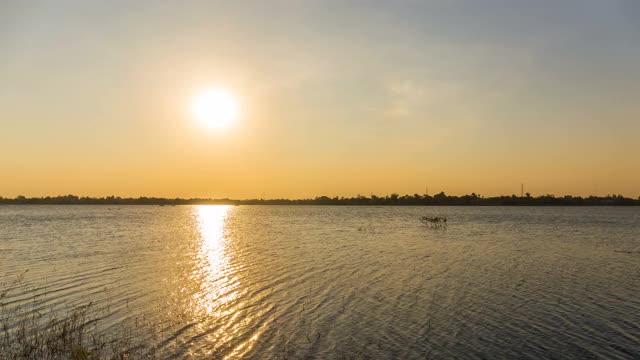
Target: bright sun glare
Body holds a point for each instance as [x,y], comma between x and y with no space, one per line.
[215,108]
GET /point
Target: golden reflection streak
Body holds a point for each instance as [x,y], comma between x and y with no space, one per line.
[216,292]
[219,288]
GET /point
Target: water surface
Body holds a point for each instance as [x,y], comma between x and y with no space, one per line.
[355,282]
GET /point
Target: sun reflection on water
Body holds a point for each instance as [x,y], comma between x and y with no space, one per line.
[218,298]
[217,287]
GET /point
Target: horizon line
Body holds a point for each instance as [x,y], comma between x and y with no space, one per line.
[394,199]
[371,196]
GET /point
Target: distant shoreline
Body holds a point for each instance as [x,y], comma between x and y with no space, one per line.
[440,199]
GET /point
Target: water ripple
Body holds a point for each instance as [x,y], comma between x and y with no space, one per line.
[326,282]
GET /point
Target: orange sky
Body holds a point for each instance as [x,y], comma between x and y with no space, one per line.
[335,99]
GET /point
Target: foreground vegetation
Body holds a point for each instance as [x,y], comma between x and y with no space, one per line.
[78,334]
[74,336]
[393,199]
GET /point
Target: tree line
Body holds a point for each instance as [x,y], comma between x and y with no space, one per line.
[472,199]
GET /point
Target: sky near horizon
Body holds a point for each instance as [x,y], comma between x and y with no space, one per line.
[335,97]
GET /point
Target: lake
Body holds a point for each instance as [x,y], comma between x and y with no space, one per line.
[327,281]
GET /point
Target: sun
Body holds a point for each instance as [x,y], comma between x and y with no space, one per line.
[215,108]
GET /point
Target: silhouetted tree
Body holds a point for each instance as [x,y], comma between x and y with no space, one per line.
[393,199]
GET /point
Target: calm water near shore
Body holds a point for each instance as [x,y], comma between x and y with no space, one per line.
[355,282]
